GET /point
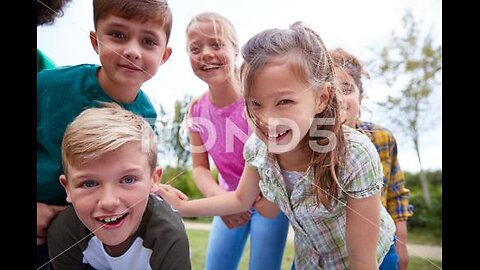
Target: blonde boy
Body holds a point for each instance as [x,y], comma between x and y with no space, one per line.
[109,157]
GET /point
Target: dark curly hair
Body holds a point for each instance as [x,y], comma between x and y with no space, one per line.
[49,10]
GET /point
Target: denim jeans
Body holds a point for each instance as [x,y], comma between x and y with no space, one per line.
[267,243]
[390,261]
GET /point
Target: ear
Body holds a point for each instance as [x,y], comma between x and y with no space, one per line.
[156,179]
[93,40]
[324,95]
[166,55]
[64,183]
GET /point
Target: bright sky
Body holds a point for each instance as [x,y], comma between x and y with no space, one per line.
[356,26]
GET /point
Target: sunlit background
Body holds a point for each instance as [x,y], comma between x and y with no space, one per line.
[359,27]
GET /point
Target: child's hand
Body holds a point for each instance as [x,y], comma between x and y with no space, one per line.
[180,194]
[171,195]
[265,207]
[45,214]
[236,220]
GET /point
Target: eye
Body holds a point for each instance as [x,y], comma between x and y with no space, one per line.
[149,42]
[194,50]
[118,35]
[253,103]
[88,184]
[217,45]
[284,102]
[347,89]
[129,180]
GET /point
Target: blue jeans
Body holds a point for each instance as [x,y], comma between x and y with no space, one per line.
[267,243]
[390,261]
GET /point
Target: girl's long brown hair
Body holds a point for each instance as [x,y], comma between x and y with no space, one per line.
[308,57]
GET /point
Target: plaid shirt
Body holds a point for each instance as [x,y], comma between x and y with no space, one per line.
[320,234]
[395,197]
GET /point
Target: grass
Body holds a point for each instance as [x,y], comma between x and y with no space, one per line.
[199,238]
[424,237]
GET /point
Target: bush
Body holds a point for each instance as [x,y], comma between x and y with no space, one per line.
[425,219]
[181,178]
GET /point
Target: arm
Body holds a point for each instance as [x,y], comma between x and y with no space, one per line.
[398,203]
[45,214]
[202,176]
[265,207]
[227,203]
[363,221]
[401,244]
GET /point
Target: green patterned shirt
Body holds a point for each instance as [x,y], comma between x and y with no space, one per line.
[320,241]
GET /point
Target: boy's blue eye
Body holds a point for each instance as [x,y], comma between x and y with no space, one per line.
[129,180]
[89,184]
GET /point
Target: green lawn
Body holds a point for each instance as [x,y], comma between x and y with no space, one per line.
[199,238]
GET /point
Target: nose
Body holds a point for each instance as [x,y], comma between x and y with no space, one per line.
[207,53]
[109,199]
[132,51]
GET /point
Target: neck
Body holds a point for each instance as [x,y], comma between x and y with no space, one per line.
[117,92]
[296,160]
[119,249]
[224,94]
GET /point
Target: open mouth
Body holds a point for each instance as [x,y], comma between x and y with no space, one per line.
[112,220]
[276,136]
[209,67]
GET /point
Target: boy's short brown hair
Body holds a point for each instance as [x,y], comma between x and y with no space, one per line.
[155,10]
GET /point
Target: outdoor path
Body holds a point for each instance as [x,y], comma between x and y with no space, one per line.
[423,251]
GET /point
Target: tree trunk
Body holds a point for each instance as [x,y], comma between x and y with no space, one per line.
[423,179]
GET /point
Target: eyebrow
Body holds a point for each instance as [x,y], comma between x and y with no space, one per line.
[120,25]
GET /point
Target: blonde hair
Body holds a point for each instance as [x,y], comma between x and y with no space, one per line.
[97,131]
[223,27]
[307,56]
[156,10]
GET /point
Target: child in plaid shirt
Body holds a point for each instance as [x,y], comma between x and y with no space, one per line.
[395,197]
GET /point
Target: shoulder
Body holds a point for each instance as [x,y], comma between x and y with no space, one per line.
[376,132]
[65,231]
[89,69]
[361,152]
[164,233]
[196,104]
[161,219]
[255,151]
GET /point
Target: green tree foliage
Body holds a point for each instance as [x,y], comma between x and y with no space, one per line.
[411,64]
[173,139]
[426,219]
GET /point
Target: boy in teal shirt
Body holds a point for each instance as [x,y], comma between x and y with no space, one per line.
[131,38]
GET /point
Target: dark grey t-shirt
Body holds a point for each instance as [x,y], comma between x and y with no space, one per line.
[161,243]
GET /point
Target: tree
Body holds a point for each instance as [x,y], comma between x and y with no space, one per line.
[413,65]
[172,139]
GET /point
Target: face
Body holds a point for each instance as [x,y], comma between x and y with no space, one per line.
[351,97]
[130,51]
[110,194]
[212,56]
[286,104]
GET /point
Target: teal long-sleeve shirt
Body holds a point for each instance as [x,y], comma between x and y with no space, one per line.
[62,93]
